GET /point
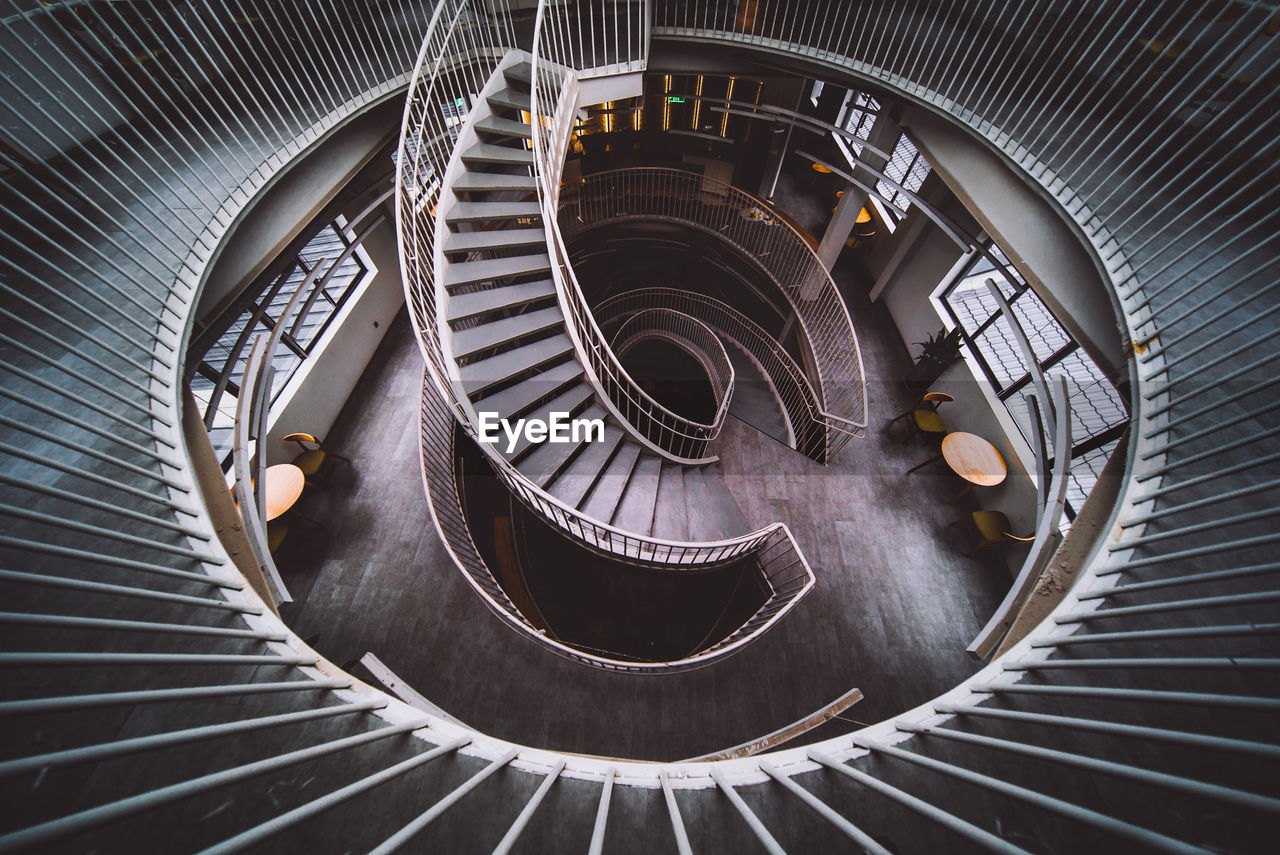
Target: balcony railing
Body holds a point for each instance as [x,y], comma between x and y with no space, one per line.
[747,223]
[694,338]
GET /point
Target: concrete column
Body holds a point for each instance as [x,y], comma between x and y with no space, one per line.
[884,135]
[841,225]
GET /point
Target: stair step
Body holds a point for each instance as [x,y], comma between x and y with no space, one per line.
[547,461]
[570,401]
[635,510]
[492,124]
[496,299]
[499,154]
[703,521]
[582,473]
[470,212]
[515,400]
[483,374]
[485,182]
[470,341]
[511,99]
[493,239]
[468,272]
[603,500]
[521,72]
[728,515]
[670,513]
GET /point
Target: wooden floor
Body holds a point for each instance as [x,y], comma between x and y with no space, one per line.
[892,610]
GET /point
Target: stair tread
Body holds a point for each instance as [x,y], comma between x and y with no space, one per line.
[489,153]
[703,522]
[508,296]
[569,401]
[483,373]
[493,239]
[464,212]
[494,124]
[580,476]
[477,338]
[603,499]
[515,400]
[467,272]
[670,514]
[545,462]
[729,516]
[522,72]
[635,508]
[511,98]
[491,181]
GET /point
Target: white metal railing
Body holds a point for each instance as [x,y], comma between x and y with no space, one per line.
[799,402]
[95,283]
[573,42]
[465,42]
[464,47]
[752,228]
[692,336]
[773,550]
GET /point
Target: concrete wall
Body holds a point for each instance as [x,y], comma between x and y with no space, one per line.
[292,202]
[317,392]
[330,176]
[1046,251]
[907,266]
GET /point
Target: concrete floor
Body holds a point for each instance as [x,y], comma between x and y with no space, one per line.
[892,610]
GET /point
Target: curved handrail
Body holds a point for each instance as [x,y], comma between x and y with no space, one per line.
[694,337]
[559,61]
[803,409]
[746,223]
[461,51]
[781,562]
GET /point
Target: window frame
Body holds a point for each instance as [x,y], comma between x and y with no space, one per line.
[1005,392]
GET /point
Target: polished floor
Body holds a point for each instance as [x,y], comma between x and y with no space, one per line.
[892,610]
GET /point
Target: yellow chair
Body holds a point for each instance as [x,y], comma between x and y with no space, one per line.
[986,529]
[924,416]
[277,533]
[315,462]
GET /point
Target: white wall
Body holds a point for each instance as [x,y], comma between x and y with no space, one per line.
[319,389]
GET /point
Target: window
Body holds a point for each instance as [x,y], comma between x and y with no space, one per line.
[906,167]
[1099,412]
[219,369]
[860,114]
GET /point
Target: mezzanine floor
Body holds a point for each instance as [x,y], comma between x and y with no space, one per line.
[892,610]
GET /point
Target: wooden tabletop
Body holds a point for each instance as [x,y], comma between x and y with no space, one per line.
[284,483]
[973,459]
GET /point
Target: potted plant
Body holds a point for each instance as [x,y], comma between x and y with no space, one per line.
[937,352]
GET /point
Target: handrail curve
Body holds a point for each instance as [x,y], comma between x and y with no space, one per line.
[692,336]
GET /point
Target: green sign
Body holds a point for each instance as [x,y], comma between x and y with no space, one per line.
[673,99]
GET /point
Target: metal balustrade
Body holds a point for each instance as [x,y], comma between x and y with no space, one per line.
[1167,176]
[746,223]
[804,414]
[781,563]
[694,338]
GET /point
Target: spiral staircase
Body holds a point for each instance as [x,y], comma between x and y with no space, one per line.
[153,700]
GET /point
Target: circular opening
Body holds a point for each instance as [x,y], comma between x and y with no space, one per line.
[671,376]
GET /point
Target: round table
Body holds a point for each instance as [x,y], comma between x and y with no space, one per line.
[973,459]
[283,484]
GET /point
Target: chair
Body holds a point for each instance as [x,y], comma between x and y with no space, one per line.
[277,533]
[924,416]
[986,529]
[315,462]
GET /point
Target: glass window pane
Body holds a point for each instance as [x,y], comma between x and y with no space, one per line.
[1042,330]
[998,347]
[1095,404]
